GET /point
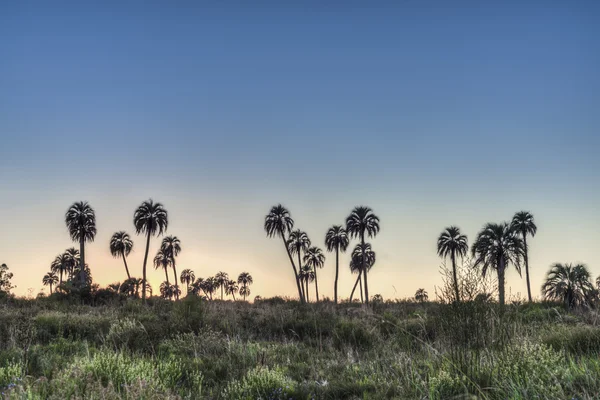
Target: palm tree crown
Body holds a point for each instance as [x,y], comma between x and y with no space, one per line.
[187,277]
[298,242]
[568,283]
[278,221]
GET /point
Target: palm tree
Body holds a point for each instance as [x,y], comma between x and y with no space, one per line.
[115,287]
[163,260]
[166,290]
[336,239]
[315,258]
[568,283]
[245,279]
[120,246]
[359,223]
[210,286]
[357,265]
[172,246]
[452,243]
[222,278]
[307,274]
[197,286]
[187,277]
[278,222]
[60,265]
[231,287]
[497,246]
[80,219]
[421,296]
[150,218]
[50,279]
[298,242]
[523,223]
[73,259]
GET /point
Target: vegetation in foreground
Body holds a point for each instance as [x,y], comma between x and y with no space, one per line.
[52,348]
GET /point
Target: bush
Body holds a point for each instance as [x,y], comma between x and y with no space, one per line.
[261,383]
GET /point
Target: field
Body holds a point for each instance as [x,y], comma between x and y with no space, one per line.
[278,349]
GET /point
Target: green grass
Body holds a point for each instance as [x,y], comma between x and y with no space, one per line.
[276,349]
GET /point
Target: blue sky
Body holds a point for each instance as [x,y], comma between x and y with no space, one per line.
[429,113]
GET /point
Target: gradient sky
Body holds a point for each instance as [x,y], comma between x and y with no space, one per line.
[431,114]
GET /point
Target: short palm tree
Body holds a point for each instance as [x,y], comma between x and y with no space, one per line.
[523,223]
[357,265]
[151,219]
[453,243]
[298,242]
[187,277]
[307,274]
[421,296]
[498,246]
[73,259]
[163,260]
[278,222]
[60,265]
[315,258]
[336,239]
[210,286]
[120,246]
[172,246]
[222,278]
[231,288]
[166,290]
[245,279]
[80,219]
[50,279]
[359,223]
[568,283]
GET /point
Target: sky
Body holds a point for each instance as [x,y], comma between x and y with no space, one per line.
[432,114]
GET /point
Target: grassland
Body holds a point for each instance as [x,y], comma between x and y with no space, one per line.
[277,349]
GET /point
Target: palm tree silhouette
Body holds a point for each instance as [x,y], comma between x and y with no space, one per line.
[166,290]
[80,219]
[336,239]
[210,286]
[307,274]
[231,288]
[163,260]
[421,296]
[452,243]
[278,222]
[315,258]
[187,277]
[245,279]
[60,265]
[172,246]
[358,264]
[197,286]
[497,246]
[120,246]
[359,223]
[298,241]
[523,223]
[151,219]
[222,278]
[568,283]
[50,279]
[73,259]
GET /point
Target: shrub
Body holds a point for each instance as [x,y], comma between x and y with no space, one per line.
[261,383]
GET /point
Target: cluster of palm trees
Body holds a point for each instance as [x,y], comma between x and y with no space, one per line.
[220,282]
[361,223]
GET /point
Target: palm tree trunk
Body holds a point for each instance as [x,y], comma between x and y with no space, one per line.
[61,274]
[316,284]
[307,293]
[293,266]
[233,294]
[126,268]
[354,288]
[82,260]
[144,268]
[362,239]
[362,300]
[501,282]
[221,292]
[456,293]
[166,274]
[337,270]
[50,288]
[527,267]
[175,273]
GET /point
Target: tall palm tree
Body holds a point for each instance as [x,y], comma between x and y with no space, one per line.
[245,279]
[523,223]
[336,239]
[172,246]
[187,276]
[50,279]
[498,246]
[80,219]
[357,265]
[120,246]
[231,288]
[315,258]
[307,274]
[453,243]
[278,222]
[163,260]
[222,278]
[359,223]
[151,219]
[568,283]
[298,242]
